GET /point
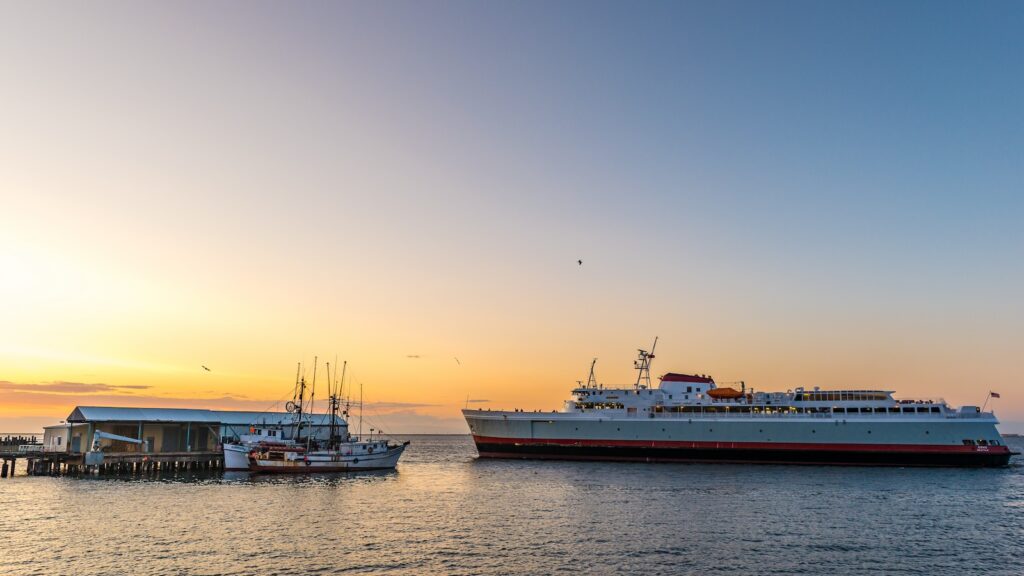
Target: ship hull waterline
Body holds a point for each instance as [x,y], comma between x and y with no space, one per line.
[743,453]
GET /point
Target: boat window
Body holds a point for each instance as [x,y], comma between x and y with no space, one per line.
[908,410]
[894,410]
[982,442]
[689,388]
[935,410]
[839,410]
[879,410]
[968,442]
[922,410]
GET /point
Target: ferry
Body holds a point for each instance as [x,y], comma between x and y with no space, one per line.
[690,418]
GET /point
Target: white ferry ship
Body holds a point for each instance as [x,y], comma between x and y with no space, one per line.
[690,418]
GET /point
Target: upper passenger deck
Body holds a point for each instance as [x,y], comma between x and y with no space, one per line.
[699,396]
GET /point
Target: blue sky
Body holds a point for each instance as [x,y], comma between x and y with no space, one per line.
[791,193]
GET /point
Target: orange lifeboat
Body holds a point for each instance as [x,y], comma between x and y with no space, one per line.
[725,393]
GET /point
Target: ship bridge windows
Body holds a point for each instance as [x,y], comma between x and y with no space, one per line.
[968,442]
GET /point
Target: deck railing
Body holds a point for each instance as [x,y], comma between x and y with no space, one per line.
[812,415]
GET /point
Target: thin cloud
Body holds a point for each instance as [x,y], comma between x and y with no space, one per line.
[61,387]
[64,402]
[396,405]
[67,395]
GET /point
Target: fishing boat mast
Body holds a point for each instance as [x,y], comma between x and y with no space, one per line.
[335,404]
[312,395]
[296,409]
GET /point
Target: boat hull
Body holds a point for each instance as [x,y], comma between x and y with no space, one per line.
[314,464]
[914,441]
[236,457]
[865,455]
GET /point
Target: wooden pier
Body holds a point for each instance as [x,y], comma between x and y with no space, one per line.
[59,463]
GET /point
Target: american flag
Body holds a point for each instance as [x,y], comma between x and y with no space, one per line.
[994,394]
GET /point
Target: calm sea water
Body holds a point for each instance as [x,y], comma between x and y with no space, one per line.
[445,512]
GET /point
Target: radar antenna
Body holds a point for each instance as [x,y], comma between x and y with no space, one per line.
[643,366]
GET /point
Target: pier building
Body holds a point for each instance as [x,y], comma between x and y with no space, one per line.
[105,438]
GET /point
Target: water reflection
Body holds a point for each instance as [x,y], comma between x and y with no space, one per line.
[443,511]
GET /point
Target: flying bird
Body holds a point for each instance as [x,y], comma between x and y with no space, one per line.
[207,369]
[580,262]
[412,355]
[457,360]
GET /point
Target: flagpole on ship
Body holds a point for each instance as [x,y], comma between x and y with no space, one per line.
[990,396]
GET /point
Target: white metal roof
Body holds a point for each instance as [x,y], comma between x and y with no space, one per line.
[117,414]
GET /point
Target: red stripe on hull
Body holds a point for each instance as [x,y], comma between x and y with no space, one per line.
[692,460]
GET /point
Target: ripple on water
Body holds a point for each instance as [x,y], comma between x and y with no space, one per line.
[444,511]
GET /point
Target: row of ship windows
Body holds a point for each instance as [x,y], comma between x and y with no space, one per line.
[981,442]
[766,409]
[839,396]
[800,410]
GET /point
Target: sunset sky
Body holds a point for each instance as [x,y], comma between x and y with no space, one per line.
[786,193]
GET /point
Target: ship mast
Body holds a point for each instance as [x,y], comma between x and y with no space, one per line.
[312,395]
[592,380]
[300,386]
[335,402]
[643,366]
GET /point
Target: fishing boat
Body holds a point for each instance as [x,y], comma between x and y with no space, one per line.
[236,453]
[339,452]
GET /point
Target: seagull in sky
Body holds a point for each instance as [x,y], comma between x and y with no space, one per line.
[457,360]
[207,369]
[412,355]
[580,262]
